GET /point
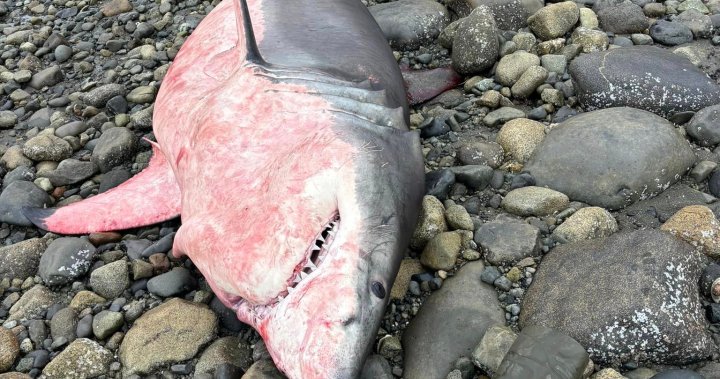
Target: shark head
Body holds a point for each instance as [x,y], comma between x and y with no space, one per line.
[313,273]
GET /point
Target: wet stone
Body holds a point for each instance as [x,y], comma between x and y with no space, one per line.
[175,282]
[83,358]
[47,148]
[507,240]
[21,260]
[475,46]
[408,24]
[116,146]
[110,280]
[106,323]
[586,223]
[99,96]
[670,33]
[63,324]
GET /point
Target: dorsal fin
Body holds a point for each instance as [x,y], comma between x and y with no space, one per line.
[244,24]
[149,197]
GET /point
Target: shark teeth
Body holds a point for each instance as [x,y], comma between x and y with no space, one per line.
[316,255]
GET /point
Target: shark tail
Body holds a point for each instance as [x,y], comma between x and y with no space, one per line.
[149,197]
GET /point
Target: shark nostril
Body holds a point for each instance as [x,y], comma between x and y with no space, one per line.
[378,289]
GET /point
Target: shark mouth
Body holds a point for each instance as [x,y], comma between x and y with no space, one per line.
[314,256]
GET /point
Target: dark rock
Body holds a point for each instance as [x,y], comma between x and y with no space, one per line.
[439,182]
[47,77]
[651,213]
[113,178]
[704,127]
[475,46]
[66,259]
[712,312]
[116,146]
[99,96]
[639,77]
[535,347]
[436,127]
[376,367]
[450,323]
[657,306]
[623,18]
[63,324]
[18,195]
[643,152]
[228,318]
[176,282]
[678,374]
[20,173]
[670,33]
[71,171]
[476,177]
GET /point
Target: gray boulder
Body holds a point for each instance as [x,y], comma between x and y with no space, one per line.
[475,45]
[654,316]
[644,77]
[612,157]
[115,146]
[407,24]
[704,127]
[531,354]
[65,259]
[450,324]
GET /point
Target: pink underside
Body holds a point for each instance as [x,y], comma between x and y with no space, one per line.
[151,196]
[259,177]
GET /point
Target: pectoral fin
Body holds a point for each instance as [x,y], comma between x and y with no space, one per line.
[423,85]
[149,197]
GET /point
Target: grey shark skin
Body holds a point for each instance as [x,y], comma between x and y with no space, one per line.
[283,144]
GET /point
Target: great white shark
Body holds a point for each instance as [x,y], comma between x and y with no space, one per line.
[282,142]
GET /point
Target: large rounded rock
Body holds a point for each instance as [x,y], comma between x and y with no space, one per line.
[644,77]
[407,24]
[450,324]
[623,18]
[612,157]
[511,67]
[173,332]
[654,316]
[475,46]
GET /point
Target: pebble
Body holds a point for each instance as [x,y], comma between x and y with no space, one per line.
[529,81]
[115,146]
[479,152]
[62,53]
[32,304]
[534,201]
[442,251]
[431,222]
[554,20]
[704,127]
[477,177]
[586,223]
[110,280]
[502,115]
[47,77]
[99,96]
[9,349]
[458,218]
[172,283]
[105,323]
[7,119]
[511,67]
[64,324]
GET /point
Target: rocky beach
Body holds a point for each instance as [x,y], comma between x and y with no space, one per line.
[568,229]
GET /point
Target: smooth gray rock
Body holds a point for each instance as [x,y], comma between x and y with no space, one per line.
[540,352]
[47,77]
[175,282]
[71,171]
[18,195]
[115,146]
[704,127]
[407,24]
[644,77]
[670,33]
[65,259]
[63,324]
[623,18]
[450,324]
[654,316]
[475,176]
[612,157]
[20,173]
[376,367]
[507,240]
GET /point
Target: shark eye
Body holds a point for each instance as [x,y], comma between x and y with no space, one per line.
[378,289]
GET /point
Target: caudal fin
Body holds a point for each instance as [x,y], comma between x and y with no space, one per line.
[149,197]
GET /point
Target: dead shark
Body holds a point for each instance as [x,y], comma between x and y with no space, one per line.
[282,142]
